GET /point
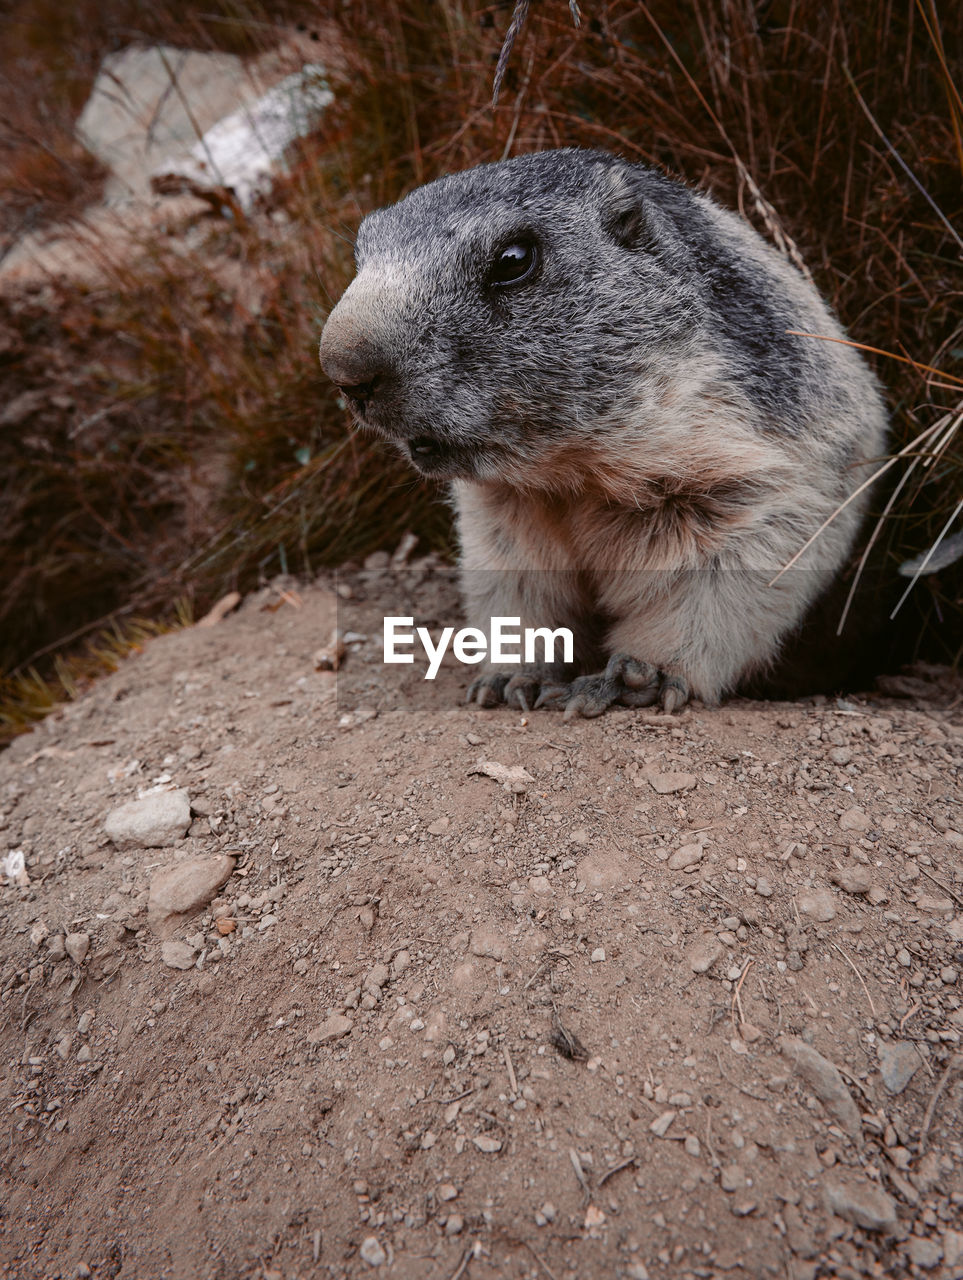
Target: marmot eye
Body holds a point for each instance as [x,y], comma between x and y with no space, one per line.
[514,263]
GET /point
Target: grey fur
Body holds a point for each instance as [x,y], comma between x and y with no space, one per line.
[635,443]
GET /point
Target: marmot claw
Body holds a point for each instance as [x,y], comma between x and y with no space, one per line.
[495,687]
[625,682]
[619,685]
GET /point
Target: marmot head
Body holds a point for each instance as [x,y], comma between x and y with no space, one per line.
[500,313]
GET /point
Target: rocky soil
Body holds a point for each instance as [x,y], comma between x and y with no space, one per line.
[309,974]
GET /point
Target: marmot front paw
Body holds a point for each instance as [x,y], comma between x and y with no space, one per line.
[625,682]
[522,690]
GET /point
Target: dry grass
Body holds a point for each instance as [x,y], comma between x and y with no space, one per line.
[194,445]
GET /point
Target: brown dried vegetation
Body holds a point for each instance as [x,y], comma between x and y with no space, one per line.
[181,440]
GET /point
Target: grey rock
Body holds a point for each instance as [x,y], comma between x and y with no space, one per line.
[688,856]
[854,820]
[898,1063]
[372,1252]
[855,880]
[953,1248]
[861,1203]
[150,823]
[703,953]
[732,1177]
[178,955]
[819,904]
[799,1233]
[825,1082]
[666,784]
[923,1252]
[185,887]
[332,1028]
[660,1127]
[77,945]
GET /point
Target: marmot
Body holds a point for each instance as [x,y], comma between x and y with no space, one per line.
[599,360]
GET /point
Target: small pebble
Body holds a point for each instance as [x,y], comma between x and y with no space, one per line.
[862,1203]
[77,945]
[487,1144]
[854,820]
[660,1127]
[668,783]
[704,952]
[898,1063]
[818,903]
[332,1028]
[690,855]
[373,1252]
[856,880]
[923,1252]
[178,955]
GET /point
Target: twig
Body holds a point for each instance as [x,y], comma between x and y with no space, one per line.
[463,1265]
[906,1016]
[519,14]
[759,1097]
[616,1168]
[736,1001]
[858,975]
[954,1064]
[926,559]
[857,491]
[871,542]
[541,1261]
[579,1172]
[946,889]
[900,161]
[511,1070]
[714,1155]
[446,1102]
[876,351]
[546,964]
[855,1080]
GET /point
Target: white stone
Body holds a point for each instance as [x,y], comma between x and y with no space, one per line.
[152,822]
[242,153]
[178,955]
[149,103]
[372,1252]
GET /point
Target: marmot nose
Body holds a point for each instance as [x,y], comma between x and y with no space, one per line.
[360,390]
[355,364]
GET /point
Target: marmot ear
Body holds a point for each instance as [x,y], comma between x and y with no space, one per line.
[626,216]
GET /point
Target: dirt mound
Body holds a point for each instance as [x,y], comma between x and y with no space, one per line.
[678,997]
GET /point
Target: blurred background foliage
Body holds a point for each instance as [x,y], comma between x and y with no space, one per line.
[177,439]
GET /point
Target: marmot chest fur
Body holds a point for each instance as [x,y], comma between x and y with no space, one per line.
[606,367]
